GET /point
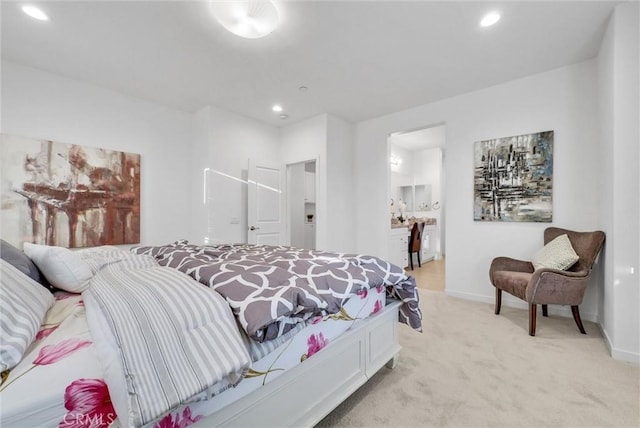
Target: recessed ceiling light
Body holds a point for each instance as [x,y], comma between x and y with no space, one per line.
[489,19]
[35,13]
[284,116]
[277,108]
[303,89]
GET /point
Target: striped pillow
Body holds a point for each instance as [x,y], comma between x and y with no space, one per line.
[24,305]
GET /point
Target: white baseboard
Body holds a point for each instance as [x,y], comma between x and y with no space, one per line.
[565,311]
[631,357]
[470,296]
[512,302]
[618,354]
[607,340]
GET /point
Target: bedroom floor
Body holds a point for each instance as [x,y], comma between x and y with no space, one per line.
[430,276]
[471,368]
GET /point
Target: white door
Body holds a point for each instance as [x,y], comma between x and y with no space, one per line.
[264,216]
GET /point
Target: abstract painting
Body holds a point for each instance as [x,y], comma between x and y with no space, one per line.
[68,195]
[514,178]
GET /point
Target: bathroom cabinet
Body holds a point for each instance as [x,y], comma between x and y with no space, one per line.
[399,246]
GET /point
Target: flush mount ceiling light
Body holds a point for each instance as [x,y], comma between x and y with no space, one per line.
[250,19]
[489,19]
[35,13]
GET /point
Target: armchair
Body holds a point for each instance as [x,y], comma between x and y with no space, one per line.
[548,286]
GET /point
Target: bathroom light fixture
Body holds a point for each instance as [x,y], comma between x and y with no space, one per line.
[395,160]
[35,13]
[277,108]
[250,19]
[489,19]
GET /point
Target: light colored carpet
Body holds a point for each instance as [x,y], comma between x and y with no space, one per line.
[471,368]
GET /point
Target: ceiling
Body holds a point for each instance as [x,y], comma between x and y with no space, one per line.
[360,60]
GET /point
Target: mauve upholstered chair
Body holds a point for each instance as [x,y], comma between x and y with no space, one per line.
[548,286]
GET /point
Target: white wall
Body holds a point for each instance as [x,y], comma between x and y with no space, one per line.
[340,186]
[42,105]
[230,141]
[605,64]
[401,174]
[177,146]
[329,140]
[305,141]
[296,194]
[618,73]
[563,100]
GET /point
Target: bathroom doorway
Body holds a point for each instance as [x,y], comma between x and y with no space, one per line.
[416,190]
[301,204]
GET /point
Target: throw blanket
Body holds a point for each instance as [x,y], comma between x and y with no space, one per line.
[171,338]
[271,289]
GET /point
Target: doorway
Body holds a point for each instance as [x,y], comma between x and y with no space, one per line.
[301,204]
[416,187]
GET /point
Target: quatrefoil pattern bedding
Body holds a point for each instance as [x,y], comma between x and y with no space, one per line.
[272,288]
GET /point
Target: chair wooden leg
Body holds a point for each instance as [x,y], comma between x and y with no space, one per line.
[576,318]
[419,265]
[411,259]
[498,300]
[532,320]
[544,311]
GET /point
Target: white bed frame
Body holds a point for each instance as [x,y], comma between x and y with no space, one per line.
[308,392]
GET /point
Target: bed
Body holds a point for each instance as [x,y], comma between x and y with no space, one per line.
[108,346]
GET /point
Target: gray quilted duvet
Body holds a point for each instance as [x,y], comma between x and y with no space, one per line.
[271,289]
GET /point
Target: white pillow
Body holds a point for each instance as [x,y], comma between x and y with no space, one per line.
[557,254]
[62,268]
[24,305]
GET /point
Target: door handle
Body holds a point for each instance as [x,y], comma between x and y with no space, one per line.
[254,228]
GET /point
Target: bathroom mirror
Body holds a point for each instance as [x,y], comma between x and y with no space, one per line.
[406,194]
[423,197]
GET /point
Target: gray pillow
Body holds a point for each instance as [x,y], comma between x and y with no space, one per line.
[21,261]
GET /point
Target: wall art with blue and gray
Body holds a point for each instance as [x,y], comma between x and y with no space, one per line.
[513,179]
